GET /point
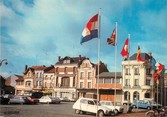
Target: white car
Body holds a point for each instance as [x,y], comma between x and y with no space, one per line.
[83,105]
[45,99]
[117,107]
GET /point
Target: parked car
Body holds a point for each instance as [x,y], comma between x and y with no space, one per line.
[4,100]
[16,100]
[145,104]
[83,105]
[126,102]
[45,99]
[30,100]
[117,108]
[55,100]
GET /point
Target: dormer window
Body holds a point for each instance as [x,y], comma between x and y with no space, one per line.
[66,61]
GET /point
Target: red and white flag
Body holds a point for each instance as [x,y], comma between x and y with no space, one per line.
[125,50]
[159,66]
[91,29]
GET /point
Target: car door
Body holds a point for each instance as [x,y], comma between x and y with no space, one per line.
[83,104]
[141,104]
[91,106]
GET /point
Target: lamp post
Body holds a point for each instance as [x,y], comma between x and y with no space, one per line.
[4,60]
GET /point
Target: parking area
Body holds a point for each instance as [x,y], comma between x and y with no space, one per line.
[52,110]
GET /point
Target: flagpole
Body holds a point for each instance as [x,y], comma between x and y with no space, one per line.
[115,64]
[98,58]
[128,74]
[157,93]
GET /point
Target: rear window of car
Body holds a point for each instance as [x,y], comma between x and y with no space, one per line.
[84,101]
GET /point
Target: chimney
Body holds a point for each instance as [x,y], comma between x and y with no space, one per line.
[59,57]
[79,57]
[26,67]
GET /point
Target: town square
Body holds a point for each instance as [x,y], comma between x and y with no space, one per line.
[83,58]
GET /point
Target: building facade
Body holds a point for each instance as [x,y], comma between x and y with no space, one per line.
[66,76]
[110,86]
[49,81]
[137,78]
[87,78]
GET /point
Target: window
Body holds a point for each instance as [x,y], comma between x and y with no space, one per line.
[117,81]
[66,61]
[107,81]
[148,71]
[127,82]
[126,95]
[40,83]
[37,75]
[29,74]
[147,95]
[127,71]
[81,84]
[89,75]
[37,84]
[148,82]
[137,71]
[40,75]
[90,102]
[28,83]
[101,80]
[136,82]
[89,85]
[46,77]
[84,101]
[136,95]
[82,75]
[65,82]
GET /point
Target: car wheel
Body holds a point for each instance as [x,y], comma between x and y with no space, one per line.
[77,111]
[100,113]
[149,108]
[150,114]
[134,107]
[115,111]
[82,112]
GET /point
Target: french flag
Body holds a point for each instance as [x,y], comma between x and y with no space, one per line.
[91,30]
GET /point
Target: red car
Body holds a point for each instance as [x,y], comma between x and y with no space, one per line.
[30,100]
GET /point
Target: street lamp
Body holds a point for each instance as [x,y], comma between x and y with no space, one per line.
[4,60]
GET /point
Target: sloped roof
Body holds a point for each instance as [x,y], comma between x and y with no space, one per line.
[39,67]
[110,75]
[50,69]
[144,56]
[35,68]
[102,68]
[19,77]
[73,60]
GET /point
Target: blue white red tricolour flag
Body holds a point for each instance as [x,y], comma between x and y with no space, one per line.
[91,29]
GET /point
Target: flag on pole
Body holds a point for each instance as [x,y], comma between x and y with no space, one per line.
[125,50]
[153,61]
[91,30]
[112,39]
[158,73]
[159,66]
[138,56]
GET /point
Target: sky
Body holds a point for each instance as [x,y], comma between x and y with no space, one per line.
[36,32]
